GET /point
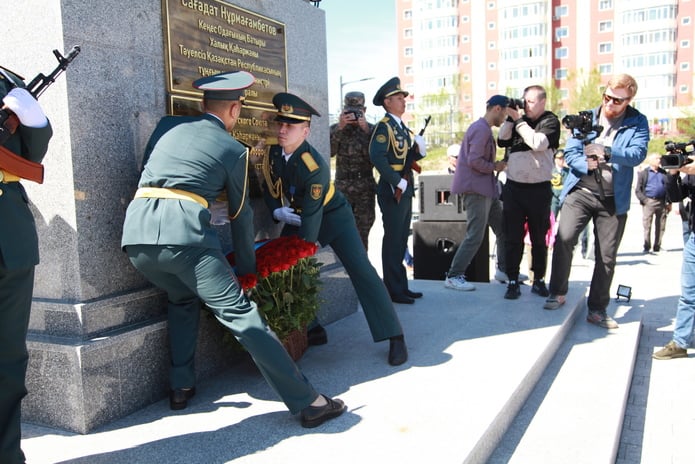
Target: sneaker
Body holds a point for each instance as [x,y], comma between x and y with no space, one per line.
[554,302]
[539,288]
[513,290]
[459,283]
[671,351]
[601,319]
[502,277]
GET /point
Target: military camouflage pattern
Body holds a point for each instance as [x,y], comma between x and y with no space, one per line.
[354,176]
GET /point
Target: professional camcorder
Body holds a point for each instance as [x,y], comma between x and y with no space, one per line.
[677,154]
[516,103]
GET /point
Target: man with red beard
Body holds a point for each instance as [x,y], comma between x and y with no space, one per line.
[598,188]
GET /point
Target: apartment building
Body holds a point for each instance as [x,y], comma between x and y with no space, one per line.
[453,54]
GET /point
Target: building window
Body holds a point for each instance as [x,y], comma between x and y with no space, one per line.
[685,21]
[466,77]
[683,88]
[408,51]
[465,58]
[491,25]
[561,32]
[408,70]
[407,32]
[605,4]
[561,73]
[491,45]
[492,65]
[492,85]
[605,47]
[561,11]
[564,94]
[464,39]
[490,5]
[561,53]
[408,14]
[605,68]
[685,66]
[685,44]
[605,26]
[465,19]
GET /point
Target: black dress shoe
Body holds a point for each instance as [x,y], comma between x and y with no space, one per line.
[178,398]
[410,294]
[403,299]
[313,416]
[317,336]
[398,353]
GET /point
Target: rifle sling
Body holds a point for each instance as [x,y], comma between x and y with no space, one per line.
[20,167]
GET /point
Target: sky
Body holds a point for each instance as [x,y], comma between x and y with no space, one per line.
[361,42]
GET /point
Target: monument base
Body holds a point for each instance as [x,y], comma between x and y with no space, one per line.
[79,382]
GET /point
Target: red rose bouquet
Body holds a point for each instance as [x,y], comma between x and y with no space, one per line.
[286,284]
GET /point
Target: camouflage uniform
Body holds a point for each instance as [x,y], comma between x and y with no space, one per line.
[354,176]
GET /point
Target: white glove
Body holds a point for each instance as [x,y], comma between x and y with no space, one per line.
[219,213]
[402,185]
[25,107]
[420,140]
[288,216]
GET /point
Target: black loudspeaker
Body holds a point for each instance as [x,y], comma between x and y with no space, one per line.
[434,246]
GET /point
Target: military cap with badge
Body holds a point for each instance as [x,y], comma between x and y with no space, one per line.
[292,109]
[225,86]
[391,87]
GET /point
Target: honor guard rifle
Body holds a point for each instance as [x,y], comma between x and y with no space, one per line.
[410,163]
[9,122]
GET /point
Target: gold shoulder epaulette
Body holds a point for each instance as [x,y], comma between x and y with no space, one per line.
[309,161]
[385,119]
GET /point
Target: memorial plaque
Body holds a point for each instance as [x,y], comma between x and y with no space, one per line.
[206,37]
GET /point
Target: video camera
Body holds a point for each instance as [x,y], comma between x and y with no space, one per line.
[677,154]
[581,124]
[516,103]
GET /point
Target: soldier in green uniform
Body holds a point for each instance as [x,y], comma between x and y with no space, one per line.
[168,237]
[19,253]
[353,170]
[317,211]
[388,151]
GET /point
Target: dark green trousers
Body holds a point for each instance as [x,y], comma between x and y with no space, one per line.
[374,298]
[16,288]
[188,274]
[396,218]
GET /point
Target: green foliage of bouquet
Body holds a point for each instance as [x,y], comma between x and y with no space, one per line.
[286,284]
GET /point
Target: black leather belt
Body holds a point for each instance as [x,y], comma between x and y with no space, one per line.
[354,175]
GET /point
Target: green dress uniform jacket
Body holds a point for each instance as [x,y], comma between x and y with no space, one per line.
[172,242]
[327,218]
[387,150]
[19,253]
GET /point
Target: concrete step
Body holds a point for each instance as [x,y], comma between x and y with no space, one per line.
[575,413]
[474,360]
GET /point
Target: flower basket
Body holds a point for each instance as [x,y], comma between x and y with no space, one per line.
[296,343]
[285,287]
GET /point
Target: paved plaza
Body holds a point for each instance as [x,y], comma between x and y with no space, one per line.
[487,379]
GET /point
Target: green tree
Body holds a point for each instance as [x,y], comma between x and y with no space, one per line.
[585,90]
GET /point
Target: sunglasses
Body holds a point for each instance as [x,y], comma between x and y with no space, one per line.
[616,101]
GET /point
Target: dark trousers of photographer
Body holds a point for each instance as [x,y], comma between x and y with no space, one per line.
[526,203]
[580,207]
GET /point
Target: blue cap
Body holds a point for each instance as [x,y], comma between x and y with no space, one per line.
[392,87]
[292,109]
[225,86]
[498,100]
